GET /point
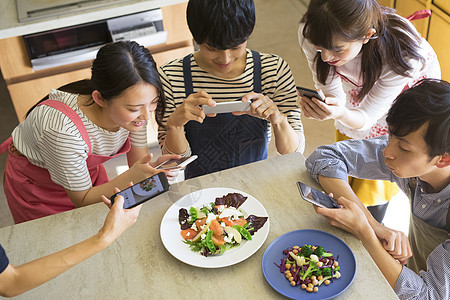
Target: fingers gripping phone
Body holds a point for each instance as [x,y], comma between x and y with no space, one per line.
[143,191]
[177,163]
[309,93]
[316,197]
[227,107]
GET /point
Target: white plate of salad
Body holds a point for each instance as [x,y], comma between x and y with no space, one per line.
[335,258]
[229,226]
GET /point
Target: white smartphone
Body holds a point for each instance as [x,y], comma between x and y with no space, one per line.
[177,163]
[316,197]
[309,93]
[227,107]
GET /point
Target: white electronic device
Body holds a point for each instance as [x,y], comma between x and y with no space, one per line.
[227,107]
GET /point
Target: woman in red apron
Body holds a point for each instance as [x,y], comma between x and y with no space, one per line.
[362,55]
[56,155]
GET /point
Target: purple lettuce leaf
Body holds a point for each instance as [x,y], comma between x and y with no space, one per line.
[255,223]
[232,199]
[183,216]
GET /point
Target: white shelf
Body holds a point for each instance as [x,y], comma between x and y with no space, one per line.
[10,26]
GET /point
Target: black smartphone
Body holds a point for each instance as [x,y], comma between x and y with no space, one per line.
[144,190]
[316,197]
[309,93]
[177,163]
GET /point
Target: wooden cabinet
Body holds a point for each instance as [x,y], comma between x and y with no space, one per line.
[439,37]
[407,8]
[389,3]
[436,28]
[27,86]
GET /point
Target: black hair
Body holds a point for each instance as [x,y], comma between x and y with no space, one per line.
[117,67]
[393,43]
[427,102]
[222,24]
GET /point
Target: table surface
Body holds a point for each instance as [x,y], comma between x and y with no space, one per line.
[137,265]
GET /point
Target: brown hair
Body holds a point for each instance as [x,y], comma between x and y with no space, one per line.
[393,43]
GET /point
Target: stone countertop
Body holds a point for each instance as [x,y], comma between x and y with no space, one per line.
[137,265]
[10,26]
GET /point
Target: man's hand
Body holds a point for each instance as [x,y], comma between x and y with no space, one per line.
[262,107]
[395,242]
[190,110]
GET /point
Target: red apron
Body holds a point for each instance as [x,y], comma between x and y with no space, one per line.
[29,190]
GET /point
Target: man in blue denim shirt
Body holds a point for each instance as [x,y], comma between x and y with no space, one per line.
[416,156]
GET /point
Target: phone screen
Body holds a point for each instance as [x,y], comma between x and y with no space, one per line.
[309,93]
[144,190]
[174,163]
[316,197]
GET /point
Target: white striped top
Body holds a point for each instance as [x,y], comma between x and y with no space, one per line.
[277,83]
[50,140]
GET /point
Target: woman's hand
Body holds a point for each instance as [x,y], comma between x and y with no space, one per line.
[142,169]
[190,110]
[313,108]
[262,107]
[118,219]
[171,173]
[163,158]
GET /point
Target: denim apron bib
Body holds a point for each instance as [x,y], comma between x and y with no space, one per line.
[226,140]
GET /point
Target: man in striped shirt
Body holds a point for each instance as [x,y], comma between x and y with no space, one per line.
[225,70]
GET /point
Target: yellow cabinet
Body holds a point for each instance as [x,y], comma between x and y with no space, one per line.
[444,5]
[439,38]
[389,3]
[436,29]
[406,8]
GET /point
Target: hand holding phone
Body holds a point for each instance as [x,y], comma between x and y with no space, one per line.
[143,191]
[177,163]
[310,93]
[316,197]
[227,107]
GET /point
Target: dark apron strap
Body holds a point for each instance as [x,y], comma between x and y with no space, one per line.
[447,226]
[188,86]
[256,72]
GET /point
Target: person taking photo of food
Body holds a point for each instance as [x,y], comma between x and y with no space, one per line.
[56,154]
[361,56]
[15,280]
[416,156]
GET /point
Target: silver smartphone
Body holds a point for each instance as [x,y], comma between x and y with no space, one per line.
[227,107]
[177,163]
[316,197]
[309,93]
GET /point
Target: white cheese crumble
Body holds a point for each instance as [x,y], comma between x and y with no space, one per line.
[231,212]
[210,217]
[228,238]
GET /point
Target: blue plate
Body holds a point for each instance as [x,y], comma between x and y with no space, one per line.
[274,254]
